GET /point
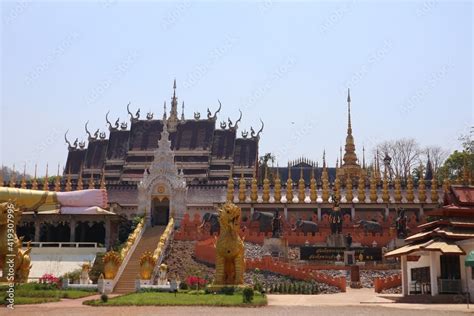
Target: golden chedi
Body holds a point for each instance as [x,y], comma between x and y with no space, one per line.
[397,190]
[254,190]
[313,190]
[277,188]
[301,188]
[373,188]
[410,194]
[361,190]
[289,187]
[349,193]
[242,188]
[266,188]
[385,191]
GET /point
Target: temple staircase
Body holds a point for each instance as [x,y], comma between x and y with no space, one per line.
[148,242]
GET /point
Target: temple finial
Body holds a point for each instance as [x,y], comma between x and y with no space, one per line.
[324,158]
[164,111]
[349,123]
[363,157]
[182,112]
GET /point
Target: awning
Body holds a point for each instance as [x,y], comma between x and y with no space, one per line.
[431,245]
[469,262]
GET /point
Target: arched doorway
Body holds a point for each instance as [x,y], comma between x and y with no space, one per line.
[160,211]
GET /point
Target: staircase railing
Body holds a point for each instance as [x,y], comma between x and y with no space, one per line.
[127,251]
[160,251]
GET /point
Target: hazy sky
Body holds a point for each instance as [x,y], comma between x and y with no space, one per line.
[408,64]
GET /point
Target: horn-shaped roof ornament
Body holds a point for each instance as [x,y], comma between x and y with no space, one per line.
[111,127]
[133,118]
[69,146]
[213,117]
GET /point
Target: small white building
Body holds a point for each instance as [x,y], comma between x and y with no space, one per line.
[440,258]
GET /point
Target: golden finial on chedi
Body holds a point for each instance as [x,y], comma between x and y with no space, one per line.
[266,188]
[410,195]
[277,188]
[254,190]
[313,190]
[230,262]
[242,188]
[301,188]
[434,189]
[398,190]
[112,261]
[385,192]
[349,193]
[289,187]
[147,264]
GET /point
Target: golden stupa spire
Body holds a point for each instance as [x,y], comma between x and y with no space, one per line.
[350,157]
[434,189]
[446,182]
[13,178]
[313,190]
[46,180]
[57,182]
[410,195]
[301,187]
[254,188]
[102,181]
[80,184]
[266,187]
[34,183]
[385,192]
[349,193]
[421,186]
[1,177]
[325,180]
[23,178]
[289,187]
[68,187]
[230,187]
[397,196]
[277,187]
[242,188]
[91,184]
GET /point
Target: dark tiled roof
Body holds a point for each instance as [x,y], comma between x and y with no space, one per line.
[118,144]
[144,135]
[295,173]
[245,153]
[74,161]
[193,134]
[223,143]
[95,154]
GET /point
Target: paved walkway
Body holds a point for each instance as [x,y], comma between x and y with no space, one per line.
[353,302]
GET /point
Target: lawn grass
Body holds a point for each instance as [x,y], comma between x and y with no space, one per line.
[182,299]
[28,294]
[34,300]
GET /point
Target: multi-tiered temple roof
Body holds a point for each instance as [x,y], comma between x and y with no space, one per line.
[204,152]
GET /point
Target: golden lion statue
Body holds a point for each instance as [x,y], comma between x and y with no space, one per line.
[22,260]
[230,262]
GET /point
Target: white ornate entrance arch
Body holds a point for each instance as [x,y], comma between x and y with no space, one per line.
[163,181]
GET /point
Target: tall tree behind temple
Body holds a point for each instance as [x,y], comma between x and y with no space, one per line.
[263,163]
[405,154]
[460,163]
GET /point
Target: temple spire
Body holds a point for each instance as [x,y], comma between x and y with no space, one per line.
[349,123]
[350,157]
[164,111]
[363,157]
[182,112]
[173,119]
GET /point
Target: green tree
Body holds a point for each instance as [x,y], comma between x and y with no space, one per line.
[263,163]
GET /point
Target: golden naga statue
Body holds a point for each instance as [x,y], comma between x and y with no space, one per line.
[230,262]
[35,200]
[22,260]
[147,264]
[112,262]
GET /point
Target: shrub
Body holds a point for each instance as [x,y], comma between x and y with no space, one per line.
[104,298]
[247,295]
[195,282]
[49,282]
[228,290]
[73,276]
[183,286]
